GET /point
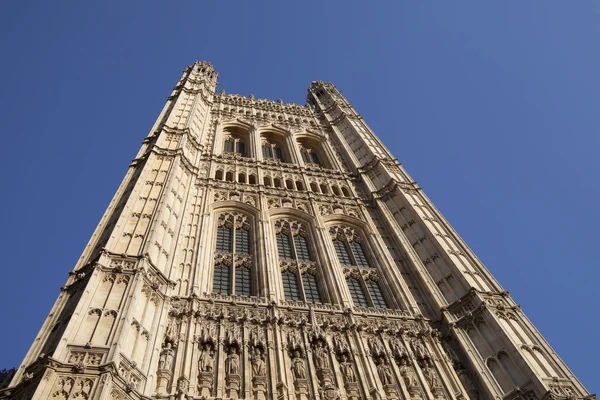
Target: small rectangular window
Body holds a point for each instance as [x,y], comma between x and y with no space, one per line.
[278,153]
[290,285]
[359,254]
[311,290]
[356,292]
[314,158]
[240,148]
[342,252]
[266,150]
[302,248]
[283,246]
[376,294]
[242,282]
[242,241]
[223,239]
[221,279]
[228,148]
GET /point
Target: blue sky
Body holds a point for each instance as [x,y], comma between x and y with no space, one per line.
[491,106]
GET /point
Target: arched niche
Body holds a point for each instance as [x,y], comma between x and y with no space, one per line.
[273,146]
[236,140]
[313,151]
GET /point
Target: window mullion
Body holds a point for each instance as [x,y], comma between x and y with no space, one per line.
[233,244]
[367,293]
[298,272]
[351,253]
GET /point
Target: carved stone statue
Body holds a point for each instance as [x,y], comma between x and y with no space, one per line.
[298,367]
[385,373]
[420,350]
[347,370]
[206,359]
[321,360]
[431,377]
[232,362]
[258,364]
[408,375]
[165,362]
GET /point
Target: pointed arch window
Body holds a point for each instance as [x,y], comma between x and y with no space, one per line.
[300,281]
[233,268]
[365,292]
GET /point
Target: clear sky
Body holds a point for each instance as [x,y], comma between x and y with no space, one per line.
[493,107]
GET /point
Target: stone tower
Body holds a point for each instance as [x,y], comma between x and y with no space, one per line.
[261,250]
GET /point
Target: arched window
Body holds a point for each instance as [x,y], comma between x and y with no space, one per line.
[299,185]
[346,192]
[253,179]
[234,141]
[267,181]
[273,146]
[365,292]
[300,282]
[324,189]
[289,184]
[314,187]
[219,175]
[312,152]
[501,376]
[336,190]
[233,269]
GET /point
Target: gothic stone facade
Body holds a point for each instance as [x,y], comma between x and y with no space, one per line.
[261,250]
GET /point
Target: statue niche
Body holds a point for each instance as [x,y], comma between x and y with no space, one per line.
[206,365]
[232,371]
